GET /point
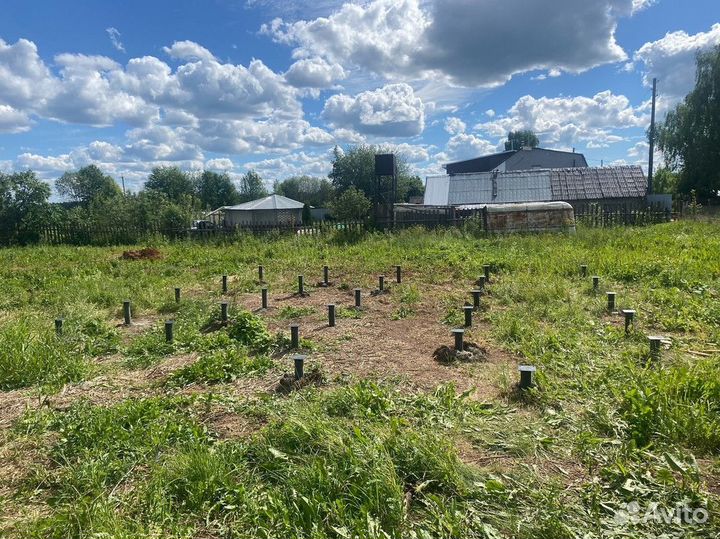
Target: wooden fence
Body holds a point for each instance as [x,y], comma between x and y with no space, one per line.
[609,214]
[476,219]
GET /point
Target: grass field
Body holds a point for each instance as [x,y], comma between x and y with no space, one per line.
[110,431]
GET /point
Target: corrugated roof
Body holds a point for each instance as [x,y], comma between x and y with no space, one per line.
[597,183]
[272,202]
[536,185]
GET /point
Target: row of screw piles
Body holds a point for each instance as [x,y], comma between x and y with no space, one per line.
[654,341]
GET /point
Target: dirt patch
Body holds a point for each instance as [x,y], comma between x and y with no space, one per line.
[288,383]
[471,353]
[373,343]
[147,253]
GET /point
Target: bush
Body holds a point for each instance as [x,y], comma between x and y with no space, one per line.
[250,330]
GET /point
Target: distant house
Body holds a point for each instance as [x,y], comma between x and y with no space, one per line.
[271,210]
[573,185]
[527,158]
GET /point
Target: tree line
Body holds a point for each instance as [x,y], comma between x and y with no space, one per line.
[170,197]
[689,137]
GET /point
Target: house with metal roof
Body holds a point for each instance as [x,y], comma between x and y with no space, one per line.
[524,159]
[269,211]
[573,185]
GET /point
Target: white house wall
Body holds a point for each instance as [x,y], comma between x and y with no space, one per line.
[511,187]
[436,190]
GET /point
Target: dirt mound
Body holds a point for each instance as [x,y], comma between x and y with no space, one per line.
[288,383]
[471,354]
[143,254]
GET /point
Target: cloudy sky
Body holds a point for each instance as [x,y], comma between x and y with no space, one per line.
[274,84]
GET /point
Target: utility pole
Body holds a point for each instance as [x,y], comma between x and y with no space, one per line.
[123,184]
[652,139]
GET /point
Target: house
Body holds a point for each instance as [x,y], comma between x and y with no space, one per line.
[269,211]
[573,185]
[527,158]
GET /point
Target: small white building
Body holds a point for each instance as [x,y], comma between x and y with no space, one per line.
[273,210]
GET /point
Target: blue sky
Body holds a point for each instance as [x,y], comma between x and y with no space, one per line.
[273,85]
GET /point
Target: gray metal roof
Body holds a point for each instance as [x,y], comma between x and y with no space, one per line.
[525,159]
[536,185]
[272,202]
[596,183]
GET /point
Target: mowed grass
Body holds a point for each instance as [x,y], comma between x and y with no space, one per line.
[607,426]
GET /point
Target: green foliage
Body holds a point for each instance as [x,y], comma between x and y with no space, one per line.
[351,205]
[24,207]
[517,140]
[355,167]
[175,184]
[317,192]
[215,190]
[665,181]
[30,357]
[252,187]
[690,134]
[250,330]
[220,366]
[87,185]
[679,405]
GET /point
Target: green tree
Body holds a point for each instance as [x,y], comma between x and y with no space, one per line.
[355,167]
[317,192]
[214,190]
[173,182]
[24,206]
[665,181]
[518,139]
[87,184]
[351,205]
[252,187]
[689,137]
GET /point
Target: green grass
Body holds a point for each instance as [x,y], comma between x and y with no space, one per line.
[221,366]
[357,458]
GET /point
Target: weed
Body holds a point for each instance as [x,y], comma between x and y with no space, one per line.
[220,366]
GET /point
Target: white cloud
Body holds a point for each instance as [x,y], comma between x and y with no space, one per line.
[25,80]
[490,113]
[412,153]
[639,149]
[465,146]
[639,5]
[458,39]
[85,94]
[672,60]
[392,111]
[114,36]
[314,73]
[454,125]
[348,136]
[189,51]
[223,164]
[568,120]
[96,90]
[296,164]
[13,121]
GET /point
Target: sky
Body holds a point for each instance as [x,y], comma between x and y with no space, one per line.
[274,85]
